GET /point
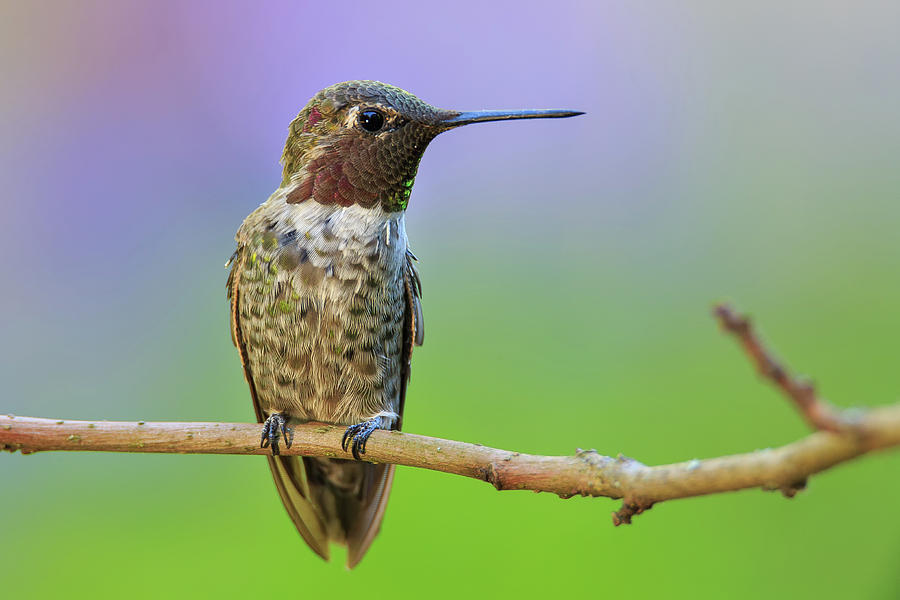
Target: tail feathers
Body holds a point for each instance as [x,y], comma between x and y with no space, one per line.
[369,511]
[337,501]
[293,487]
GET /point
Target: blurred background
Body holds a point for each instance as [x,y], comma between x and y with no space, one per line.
[743,151]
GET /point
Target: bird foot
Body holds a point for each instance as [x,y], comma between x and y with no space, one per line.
[356,436]
[275,427]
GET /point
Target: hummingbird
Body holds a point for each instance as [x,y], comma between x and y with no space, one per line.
[325,297]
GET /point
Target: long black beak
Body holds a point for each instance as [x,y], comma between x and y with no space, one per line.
[481,116]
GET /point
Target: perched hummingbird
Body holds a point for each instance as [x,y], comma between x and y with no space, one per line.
[326,301]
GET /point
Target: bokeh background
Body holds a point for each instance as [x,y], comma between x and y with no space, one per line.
[745,151]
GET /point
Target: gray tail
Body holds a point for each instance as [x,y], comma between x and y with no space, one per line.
[333,500]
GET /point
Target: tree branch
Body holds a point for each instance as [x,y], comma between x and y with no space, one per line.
[587,473]
[817,412]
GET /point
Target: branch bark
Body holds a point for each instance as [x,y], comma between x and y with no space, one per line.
[841,437]
[587,473]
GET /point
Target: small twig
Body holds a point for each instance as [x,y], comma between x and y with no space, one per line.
[817,412]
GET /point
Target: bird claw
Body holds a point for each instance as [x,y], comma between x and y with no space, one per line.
[356,436]
[270,433]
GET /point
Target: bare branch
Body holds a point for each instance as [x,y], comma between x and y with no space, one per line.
[586,473]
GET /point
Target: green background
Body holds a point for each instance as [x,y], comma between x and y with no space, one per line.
[746,153]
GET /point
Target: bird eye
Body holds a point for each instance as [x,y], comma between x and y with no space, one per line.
[371,120]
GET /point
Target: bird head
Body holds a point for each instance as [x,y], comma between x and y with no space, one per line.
[360,142]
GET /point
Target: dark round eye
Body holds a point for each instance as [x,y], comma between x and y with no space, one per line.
[371,120]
